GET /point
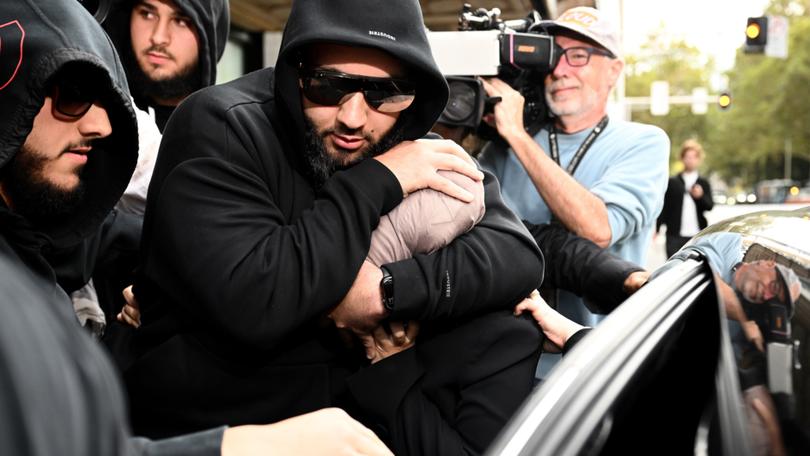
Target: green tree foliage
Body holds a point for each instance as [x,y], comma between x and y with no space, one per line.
[685,68]
[770,102]
[769,110]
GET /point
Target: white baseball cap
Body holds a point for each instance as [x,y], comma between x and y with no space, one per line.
[590,23]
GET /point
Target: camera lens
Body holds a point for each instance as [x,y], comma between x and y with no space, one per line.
[462,102]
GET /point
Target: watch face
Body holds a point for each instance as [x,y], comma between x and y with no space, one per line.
[387,289]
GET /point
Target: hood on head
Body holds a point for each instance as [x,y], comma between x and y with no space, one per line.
[211,19]
[40,38]
[396,27]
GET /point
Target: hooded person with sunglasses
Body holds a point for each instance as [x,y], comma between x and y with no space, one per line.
[68,145]
[258,222]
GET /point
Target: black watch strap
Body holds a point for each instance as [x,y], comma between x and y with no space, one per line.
[387,289]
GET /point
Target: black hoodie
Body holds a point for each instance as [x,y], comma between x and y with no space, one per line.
[59,392]
[211,20]
[243,255]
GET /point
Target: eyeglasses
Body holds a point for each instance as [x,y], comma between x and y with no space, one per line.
[331,88]
[579,56]
[72,98]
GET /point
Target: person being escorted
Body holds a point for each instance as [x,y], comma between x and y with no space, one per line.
[602,178]
[258,223]
[68,145]
[687,199]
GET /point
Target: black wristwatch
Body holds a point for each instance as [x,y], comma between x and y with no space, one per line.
[387,289]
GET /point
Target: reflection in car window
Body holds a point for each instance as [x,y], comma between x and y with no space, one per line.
[723,251]
[760,290]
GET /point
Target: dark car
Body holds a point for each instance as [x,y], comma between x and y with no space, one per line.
[668,372]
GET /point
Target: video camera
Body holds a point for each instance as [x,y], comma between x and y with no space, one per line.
[519,52]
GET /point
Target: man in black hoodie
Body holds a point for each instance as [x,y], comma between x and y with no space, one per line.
[170,48]
[258,221]
[68,144]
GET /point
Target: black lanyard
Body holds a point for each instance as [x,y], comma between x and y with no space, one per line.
[555,150]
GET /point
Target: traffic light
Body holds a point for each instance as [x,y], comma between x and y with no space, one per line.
[724,100]
[756,35]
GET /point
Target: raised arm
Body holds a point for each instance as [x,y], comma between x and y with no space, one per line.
[583,268]
[491,267]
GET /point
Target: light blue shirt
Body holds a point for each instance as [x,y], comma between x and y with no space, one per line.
[627,167]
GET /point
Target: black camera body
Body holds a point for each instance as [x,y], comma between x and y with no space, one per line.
[519,52]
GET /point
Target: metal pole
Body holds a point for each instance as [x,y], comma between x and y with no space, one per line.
[788,158]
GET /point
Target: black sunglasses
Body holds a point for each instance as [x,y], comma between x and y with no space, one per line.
[73,98]
[330,88]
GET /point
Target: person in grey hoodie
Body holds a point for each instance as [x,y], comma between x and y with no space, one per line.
[68,145]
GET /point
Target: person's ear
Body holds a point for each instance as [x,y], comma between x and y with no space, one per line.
[614,70]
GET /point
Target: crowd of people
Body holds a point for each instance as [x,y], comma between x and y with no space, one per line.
[305,267]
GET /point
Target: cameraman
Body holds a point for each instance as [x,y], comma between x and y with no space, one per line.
[603,180]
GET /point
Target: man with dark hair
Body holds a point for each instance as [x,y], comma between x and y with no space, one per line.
[258,224]
[170,48]
[68,145]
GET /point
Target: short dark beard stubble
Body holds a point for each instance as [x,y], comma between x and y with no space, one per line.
[321,165]
[179,86]
[34,198]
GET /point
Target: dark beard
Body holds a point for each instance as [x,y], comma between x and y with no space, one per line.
[322,165]
[179,86]
[33,197]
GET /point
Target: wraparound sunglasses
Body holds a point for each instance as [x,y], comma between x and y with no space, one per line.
[73,98]
[331,88]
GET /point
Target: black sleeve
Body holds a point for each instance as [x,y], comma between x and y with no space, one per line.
[705,202]
[203,443]
[117,237]
[574,339]
[582,267]
[493,266]
[454,394]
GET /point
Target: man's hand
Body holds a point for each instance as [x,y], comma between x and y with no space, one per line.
[131,313]
[635,281]
[414,163]
[381,343]
[753,334]
[557,328]
[361,309]
[696,191]
[326,431]
[508,113]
